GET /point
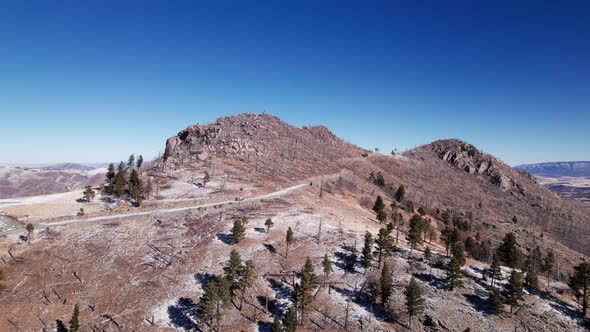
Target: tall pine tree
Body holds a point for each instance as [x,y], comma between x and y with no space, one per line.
[414,299]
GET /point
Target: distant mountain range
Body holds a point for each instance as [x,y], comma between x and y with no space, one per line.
[558,169]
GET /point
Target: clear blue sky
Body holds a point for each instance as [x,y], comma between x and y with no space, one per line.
[92,81]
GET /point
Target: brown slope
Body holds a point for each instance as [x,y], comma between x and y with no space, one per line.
[263,142]
[464,176]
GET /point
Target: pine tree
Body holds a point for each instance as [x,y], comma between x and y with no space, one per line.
[367,251]
[88,193]
[549,266]
[448,238]
[120,183]
[427,253]
[131,161]
[495,270]
[379,205]
[268,223]
[513,291]
[276,325]
[381,216]
[29,228]
[400,223]
[74,322]
[139,161]
[1,279]
[136,187]
[238,231]
[385,283]
[580,283]
[534,264]
[206,179]
[304,293]
[495,300]
[350,261]
[421,211]
[110,177]
[400,193]
[290,322]
[327,267]
[215,298]
[415,233]
[384,245]
[289,240]
[232,269]
[508,252]
[454,275]
[148,188]
[414,299]
[247,278]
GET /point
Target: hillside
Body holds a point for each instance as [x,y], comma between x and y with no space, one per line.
[21,181]
[146,268]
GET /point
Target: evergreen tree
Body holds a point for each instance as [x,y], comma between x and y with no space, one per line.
[350,261]
[29,228]
[327,267]
[276,325]
[580,283]
[415,233]
[289,240]
[400,223]
[120,184]
[508,252]
[215,298]
[384,245]
[379,180]
[304,294]
[427,253]
[400,193]
[421,211]
[268,223]
[247,278]
[206,179]
[232,269]
[131,161]
[238,231]
[139,161]
[513,291]
[379,205]
[534,264]
[447,236]
[495,300]
[88,193]
[385,283]
[495,270]
[454,275]
[136,187]
[367,251]
[381,216]
[414,299]
[74,322]
[1,279]
[290,321]
[549,266]
[110,177]
[148,188]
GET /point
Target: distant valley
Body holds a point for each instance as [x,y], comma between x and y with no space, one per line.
[568,179]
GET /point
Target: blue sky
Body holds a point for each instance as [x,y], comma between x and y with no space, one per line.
[93,82]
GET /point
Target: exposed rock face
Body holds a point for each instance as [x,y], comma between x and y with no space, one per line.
[466,157]
[258,138]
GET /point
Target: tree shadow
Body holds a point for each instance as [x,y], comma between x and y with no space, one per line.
[270,248]
[225,238]
[204,278]
[182,314]
[260,229]
[264,326]
[282,292]
[561,306]
[432,280]
[479,303]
